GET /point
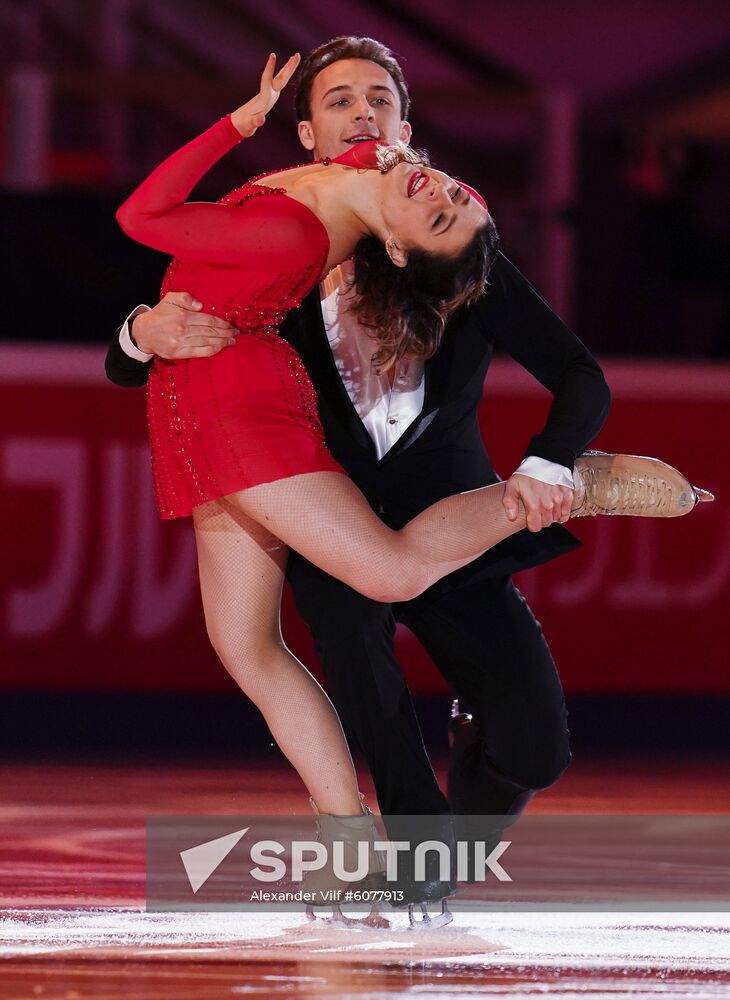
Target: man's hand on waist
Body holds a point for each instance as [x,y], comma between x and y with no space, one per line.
[177,328]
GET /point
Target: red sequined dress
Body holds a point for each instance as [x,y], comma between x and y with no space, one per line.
[247,415]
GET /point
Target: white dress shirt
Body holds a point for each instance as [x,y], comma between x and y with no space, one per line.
[387,410]
[125,339]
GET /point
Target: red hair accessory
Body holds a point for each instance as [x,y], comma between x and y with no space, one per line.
[475,194]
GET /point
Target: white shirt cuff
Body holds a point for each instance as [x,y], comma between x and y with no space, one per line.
[125,340]
[546,472]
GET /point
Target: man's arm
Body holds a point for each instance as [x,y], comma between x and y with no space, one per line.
[175,329]
[516,317]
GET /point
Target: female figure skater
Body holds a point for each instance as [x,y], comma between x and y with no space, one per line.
[236,439]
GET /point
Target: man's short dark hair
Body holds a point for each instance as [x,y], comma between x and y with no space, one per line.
[346,47]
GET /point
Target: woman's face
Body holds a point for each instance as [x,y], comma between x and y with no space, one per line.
[426,209]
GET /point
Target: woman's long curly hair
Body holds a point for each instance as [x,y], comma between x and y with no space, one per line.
[408,307]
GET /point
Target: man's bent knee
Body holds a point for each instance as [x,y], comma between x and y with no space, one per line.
[539,775]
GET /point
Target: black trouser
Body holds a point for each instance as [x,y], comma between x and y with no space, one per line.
[487,644]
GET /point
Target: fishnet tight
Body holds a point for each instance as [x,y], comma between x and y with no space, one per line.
[326,519]
[241,573]
[242,553]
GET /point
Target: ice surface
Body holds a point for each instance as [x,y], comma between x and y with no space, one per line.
[682,941]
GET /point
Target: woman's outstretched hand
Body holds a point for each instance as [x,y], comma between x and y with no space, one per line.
[252,114]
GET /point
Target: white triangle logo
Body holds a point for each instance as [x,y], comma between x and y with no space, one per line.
[200,862]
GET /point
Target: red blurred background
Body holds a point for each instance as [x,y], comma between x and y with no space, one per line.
[102,596]
[601,134]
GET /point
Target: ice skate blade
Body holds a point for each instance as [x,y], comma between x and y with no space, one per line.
[374,919]
[427,922]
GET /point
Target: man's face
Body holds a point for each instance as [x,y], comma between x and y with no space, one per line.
[352,100]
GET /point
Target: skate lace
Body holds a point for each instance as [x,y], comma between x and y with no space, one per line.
[627,494]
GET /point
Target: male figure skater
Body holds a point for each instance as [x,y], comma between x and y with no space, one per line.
[409,438]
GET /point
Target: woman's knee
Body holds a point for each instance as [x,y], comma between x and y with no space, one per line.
[332,608]
[402,583]
[241,651]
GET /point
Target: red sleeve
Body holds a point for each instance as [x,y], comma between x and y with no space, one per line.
[257,234]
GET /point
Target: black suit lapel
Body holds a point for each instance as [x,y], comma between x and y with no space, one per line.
[413,428]
[309,337]
[461,353]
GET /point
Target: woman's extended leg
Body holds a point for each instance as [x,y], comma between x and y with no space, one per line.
[241,569]
[325,517]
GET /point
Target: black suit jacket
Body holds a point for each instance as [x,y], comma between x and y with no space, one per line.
[442,452]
